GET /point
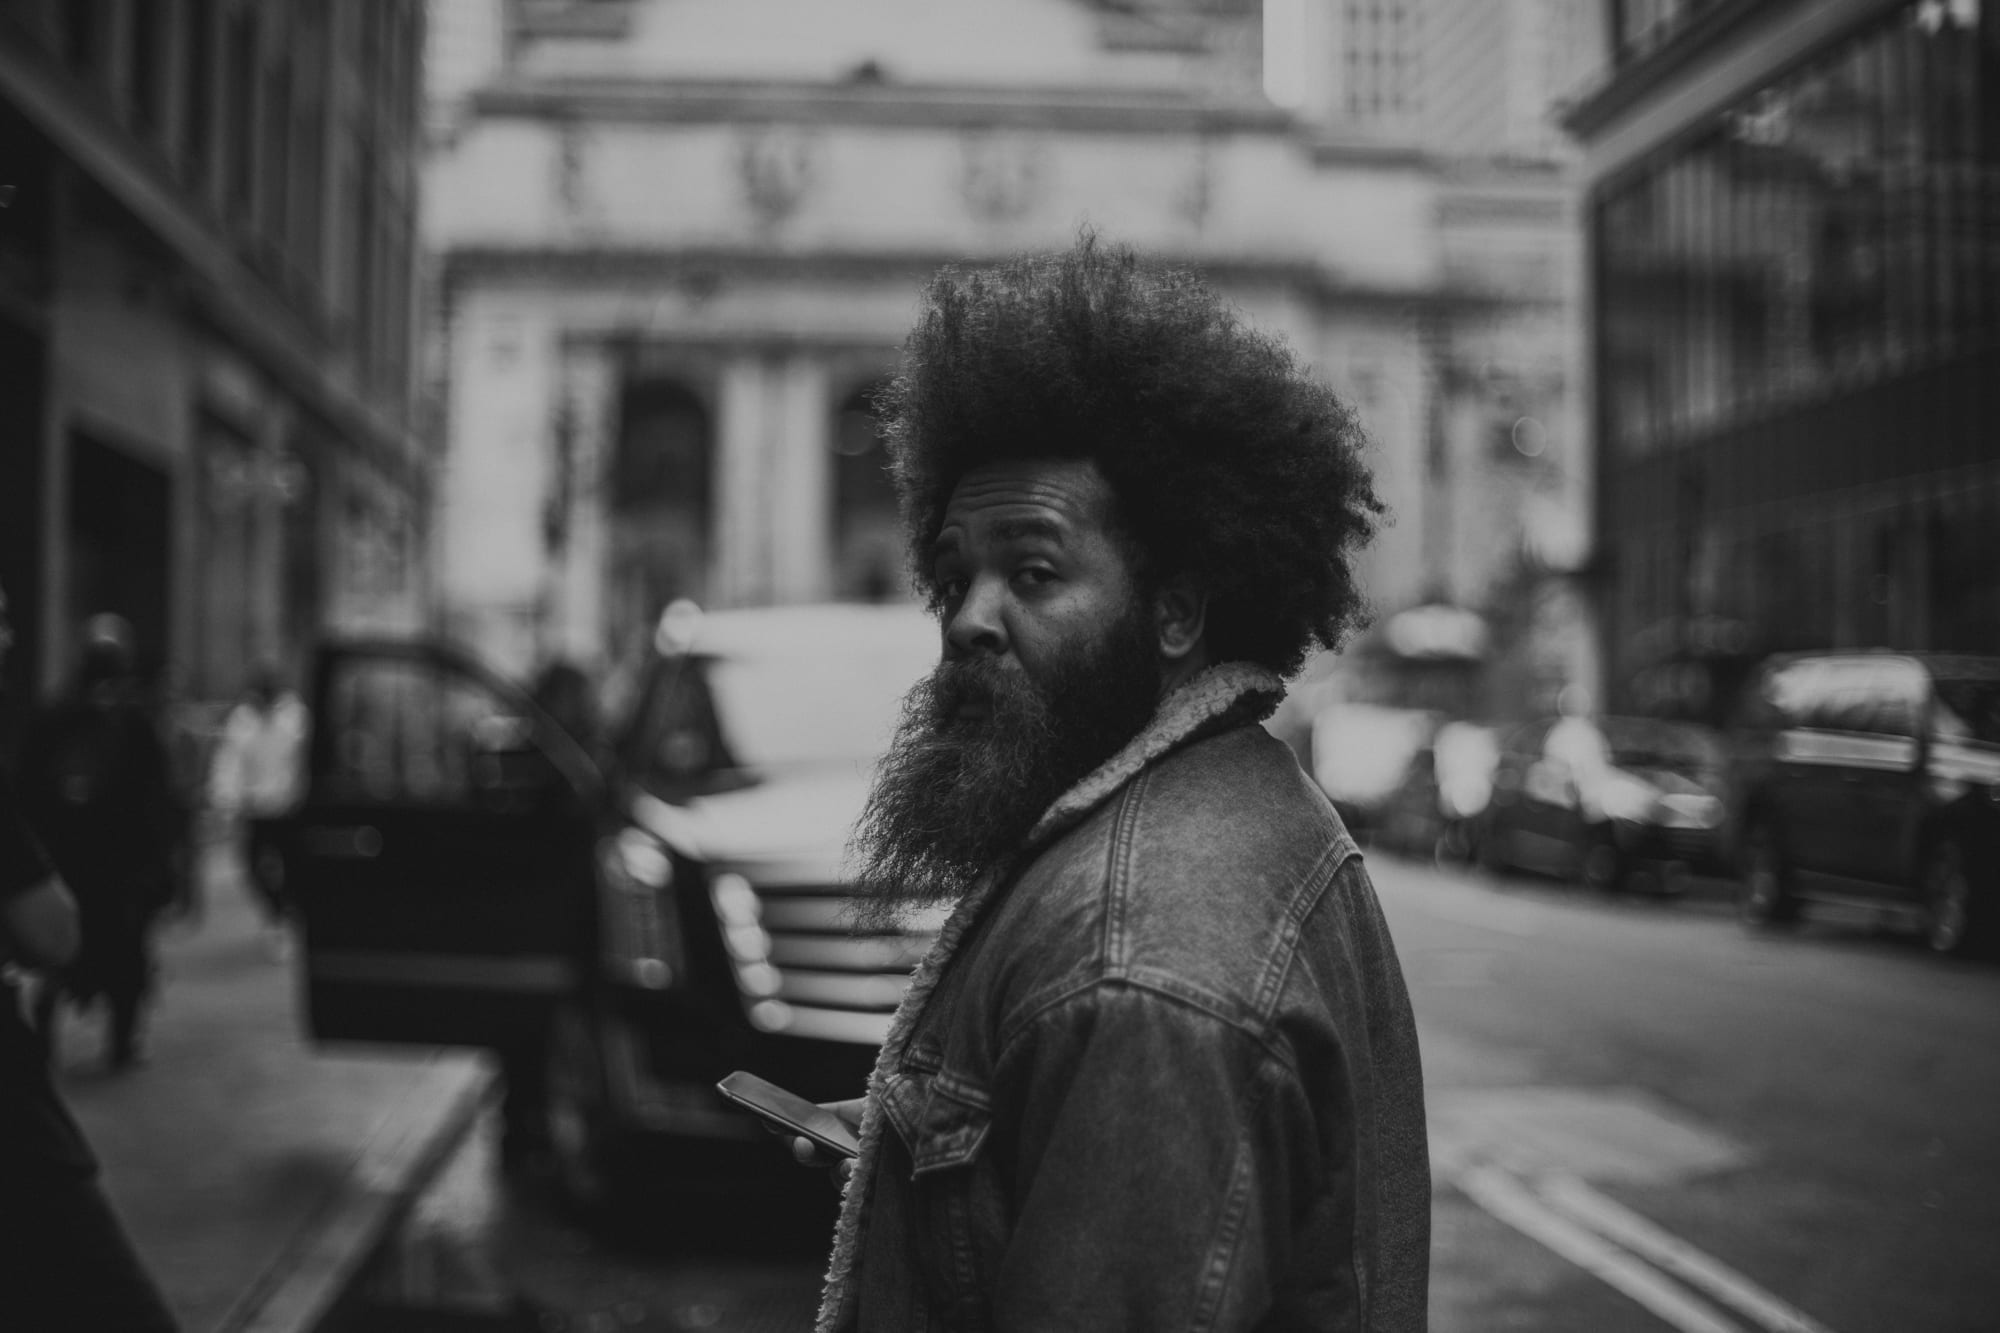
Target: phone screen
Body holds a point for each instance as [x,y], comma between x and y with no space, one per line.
[790,1111]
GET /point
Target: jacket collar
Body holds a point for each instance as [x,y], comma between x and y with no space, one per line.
[1215,699]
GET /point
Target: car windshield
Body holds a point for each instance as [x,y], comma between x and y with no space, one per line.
[1648,743]
[805,709]
[1974,704]
[780,702]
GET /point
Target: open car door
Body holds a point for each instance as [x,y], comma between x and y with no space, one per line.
[442,859]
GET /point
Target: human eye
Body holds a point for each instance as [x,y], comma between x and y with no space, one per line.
[1034,577]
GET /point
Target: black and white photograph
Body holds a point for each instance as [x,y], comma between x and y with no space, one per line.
[1050,666]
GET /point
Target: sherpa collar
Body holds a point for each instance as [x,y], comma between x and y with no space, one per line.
[1228,694]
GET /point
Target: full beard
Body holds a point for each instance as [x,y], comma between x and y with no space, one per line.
[955,796]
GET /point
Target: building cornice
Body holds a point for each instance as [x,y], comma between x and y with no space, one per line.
[1114,110]
[229,294]
[699,268]
[1631,84]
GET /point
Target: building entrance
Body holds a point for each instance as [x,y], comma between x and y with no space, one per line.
[119,548]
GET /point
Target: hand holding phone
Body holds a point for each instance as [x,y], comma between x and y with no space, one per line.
[791,1113]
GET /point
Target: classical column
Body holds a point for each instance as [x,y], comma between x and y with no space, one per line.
[580,445]
[745,410]
[800,504]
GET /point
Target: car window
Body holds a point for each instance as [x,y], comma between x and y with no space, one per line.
[806,708]
[410,732]
[1796,692]
[1883,695]
[1969,708]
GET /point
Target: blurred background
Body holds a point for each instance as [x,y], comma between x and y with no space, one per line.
[1674,326]
[521,320]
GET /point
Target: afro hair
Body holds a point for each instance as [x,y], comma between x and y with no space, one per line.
[1231,467]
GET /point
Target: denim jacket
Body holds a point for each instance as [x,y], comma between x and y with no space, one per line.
[1163,1076]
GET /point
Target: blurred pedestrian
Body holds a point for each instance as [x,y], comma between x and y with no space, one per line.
[95,788]
[65,1261]
[256,778]
[1160,1068]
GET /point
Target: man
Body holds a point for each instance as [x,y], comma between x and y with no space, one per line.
[96,789]
[257,778]
[1159,1071]
[65,1262]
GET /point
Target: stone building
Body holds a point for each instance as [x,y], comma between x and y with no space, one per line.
[679,242]
[207,242]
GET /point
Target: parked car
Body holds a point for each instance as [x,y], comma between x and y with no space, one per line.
[467,875]
[1873,777]
[1616,802]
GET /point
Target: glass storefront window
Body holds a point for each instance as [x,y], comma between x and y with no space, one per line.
[1838,226]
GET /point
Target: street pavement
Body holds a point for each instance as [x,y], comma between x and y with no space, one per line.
[253,1171]
[1643,1119]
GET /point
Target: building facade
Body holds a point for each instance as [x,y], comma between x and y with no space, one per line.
[1795,238]
[207,254]
[680,241]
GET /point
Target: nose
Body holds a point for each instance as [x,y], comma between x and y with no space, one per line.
[976,626]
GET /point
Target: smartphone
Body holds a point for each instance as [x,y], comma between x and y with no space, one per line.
[788,1110]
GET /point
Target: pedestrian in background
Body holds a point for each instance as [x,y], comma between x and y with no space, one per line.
[65,1261]
[96,789]
[257,778]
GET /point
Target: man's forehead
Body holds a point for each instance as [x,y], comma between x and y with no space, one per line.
[1070,493]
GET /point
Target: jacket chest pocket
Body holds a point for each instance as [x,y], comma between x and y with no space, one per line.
[956,1223]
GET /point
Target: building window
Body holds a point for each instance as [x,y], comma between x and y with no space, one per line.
[1380,55]
[867,536]
[142,59]
[661,484]
[82,35]
[197,92]
[240,130]
[1835,229]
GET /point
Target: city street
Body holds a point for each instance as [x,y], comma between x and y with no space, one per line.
[1642,1118]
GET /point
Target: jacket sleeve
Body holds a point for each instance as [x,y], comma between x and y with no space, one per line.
[1160,1157]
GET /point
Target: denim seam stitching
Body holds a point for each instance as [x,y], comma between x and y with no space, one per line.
[1256,1033]
[1118,873]
[1227,1243]
[1272,983]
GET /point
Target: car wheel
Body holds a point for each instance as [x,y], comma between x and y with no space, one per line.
[1601,867]
[1764,897]
[1948,923]
[578,1133]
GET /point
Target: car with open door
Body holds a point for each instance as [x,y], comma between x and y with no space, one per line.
[656,926]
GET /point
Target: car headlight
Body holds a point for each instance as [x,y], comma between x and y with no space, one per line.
[1627,798]
[1690,810]
[642,860]
[638,927]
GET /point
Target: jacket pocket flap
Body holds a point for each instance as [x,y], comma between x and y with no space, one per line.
[942,1120]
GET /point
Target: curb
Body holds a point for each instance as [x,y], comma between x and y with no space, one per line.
[400,1158]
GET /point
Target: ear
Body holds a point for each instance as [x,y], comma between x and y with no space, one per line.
[1181,611]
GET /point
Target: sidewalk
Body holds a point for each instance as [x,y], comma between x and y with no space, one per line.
[254,1171]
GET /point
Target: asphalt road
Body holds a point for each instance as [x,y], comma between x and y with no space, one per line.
[1643,1118]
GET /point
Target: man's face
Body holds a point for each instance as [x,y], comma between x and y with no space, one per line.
[1029,565]
[1050,664]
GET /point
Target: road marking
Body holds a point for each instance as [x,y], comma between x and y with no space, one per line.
[1515,1204]
[1675,1256]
